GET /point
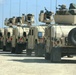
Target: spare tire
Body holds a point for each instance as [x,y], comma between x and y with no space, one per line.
[72,37]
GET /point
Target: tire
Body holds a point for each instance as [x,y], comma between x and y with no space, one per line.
[8,47]
[70,56]
[72,37]
[55,54]
[36,50]
[47,56]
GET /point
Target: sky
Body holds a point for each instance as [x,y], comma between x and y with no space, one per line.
[10,8]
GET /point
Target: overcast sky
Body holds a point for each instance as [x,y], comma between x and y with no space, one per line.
[10,8]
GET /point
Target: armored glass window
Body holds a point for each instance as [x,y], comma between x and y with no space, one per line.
[39,34]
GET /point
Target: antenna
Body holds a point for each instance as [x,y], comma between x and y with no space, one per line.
[19,6]
[56,6]
[10,8]
[26,6]
[36,11]
[50,4]
[2,15]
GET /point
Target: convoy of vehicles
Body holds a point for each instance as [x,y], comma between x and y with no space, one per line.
[50,40]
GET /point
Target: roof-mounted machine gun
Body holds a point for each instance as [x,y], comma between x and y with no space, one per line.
[62,10]
[45,16]
[72,9]
[8,22]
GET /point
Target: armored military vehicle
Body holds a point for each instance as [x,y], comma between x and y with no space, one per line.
[36,40]
[17,40]
[1,37]
[20,33]
[60,37]
[7,38]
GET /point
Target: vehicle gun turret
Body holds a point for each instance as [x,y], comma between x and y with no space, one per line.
[45,16]
[28,19]
[8,22]
[66,16]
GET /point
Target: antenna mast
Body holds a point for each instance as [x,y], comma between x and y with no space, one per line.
[36,11]
[19,6]
[2,15]
[56,6]
[10,8]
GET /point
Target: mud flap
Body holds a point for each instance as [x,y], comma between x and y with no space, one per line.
[19,49]
[55,55]
[47,56]
[24,46]
[8,47]
[4,48]
[1,44]
[13,50]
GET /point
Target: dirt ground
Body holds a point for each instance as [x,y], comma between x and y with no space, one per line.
[20,64]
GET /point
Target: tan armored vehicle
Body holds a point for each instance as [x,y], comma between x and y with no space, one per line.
[36,40]
[7,35]
[7,38]
[19,39]
[60,37]
[1,37]
[20,33]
